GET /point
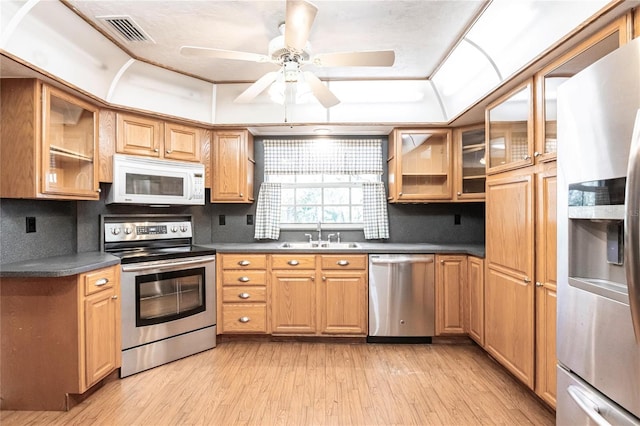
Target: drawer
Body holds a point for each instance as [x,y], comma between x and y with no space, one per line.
[244,277]
[99,280]
[336,261]
[244,318]
[244,294]
[244,261]
[293,261]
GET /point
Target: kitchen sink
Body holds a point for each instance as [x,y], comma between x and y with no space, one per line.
[322,246]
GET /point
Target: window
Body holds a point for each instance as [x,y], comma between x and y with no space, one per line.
[330,198]
[337,182]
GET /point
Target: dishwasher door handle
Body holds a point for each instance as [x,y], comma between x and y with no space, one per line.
[400,259]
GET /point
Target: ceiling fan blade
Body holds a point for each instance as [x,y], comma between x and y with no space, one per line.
[320,91]
[256,88]
[298,22]
[378,58]
[222,54]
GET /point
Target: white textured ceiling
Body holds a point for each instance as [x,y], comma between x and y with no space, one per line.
[420,32]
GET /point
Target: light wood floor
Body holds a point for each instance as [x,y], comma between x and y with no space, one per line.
[300,383]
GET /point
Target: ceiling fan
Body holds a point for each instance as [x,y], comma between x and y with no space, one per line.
[291,51]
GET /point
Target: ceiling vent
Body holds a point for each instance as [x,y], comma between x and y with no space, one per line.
[126,28]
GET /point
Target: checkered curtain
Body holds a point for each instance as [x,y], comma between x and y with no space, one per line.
[376,221]
[323,156]
[268,212]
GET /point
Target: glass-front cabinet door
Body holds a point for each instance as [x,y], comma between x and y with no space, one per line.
[509,122]
[422,165]
[553,75]
[470,163]
[70,133]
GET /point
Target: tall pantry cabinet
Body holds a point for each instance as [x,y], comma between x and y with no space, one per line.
[520,280]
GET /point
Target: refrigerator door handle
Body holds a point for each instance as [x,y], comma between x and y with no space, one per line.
[589,407]
[632,228]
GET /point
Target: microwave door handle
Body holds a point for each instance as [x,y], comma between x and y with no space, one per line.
[632,228]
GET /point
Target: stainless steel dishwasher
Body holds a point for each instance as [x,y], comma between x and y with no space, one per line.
[401,297]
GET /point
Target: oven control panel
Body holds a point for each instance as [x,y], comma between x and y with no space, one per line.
[140,231]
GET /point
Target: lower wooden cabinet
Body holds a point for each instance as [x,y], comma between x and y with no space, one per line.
[293,301]
[60,336]
[243,293]
[475,299]
[451,278]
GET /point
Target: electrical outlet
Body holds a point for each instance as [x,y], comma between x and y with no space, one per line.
[249,219]
[31,224]
[456,219]
[222,220]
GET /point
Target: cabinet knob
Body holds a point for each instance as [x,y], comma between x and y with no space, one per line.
[459,193]
[442,262]
[526,157]
[156,150]
[244,320]
[244,295]
[538,284]
[241,194]
[527,280]
[293,262]
[342,262]
[313,278]
[115,296]
[399,193]
[244,263]
[324,278]
[536,154]
[98,190]
[169,151]
[101,282]
[244,279]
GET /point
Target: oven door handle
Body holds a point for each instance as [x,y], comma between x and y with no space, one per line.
[166,264]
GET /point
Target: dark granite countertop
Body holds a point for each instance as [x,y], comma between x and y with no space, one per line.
[474,249]
[58,266]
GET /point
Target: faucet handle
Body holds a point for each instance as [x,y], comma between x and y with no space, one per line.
[329,238]
[338,238]
[309,236]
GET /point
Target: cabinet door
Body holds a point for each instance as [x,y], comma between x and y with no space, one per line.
[138,135]
[509,123]
[451,273]
[293,302]
[230,171]
[182,142]
[423,165]
[101,340]
[343,302]
[69,155]
[546,284]
[475,285]
[509,293]
[470,167]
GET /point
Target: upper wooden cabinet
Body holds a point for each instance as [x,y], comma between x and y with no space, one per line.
[509,127]
[49,143]
[470,159]
[233,166]
[553,75]
[138,135]
[420,166]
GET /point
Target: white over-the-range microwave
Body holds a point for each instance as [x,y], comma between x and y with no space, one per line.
[150,181]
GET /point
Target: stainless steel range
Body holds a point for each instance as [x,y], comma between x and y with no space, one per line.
[168,289]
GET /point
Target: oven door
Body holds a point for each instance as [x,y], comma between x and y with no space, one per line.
[162,299]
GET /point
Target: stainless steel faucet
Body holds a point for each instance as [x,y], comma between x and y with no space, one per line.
[319,232]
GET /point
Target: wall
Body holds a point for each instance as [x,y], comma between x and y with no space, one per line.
[65,227]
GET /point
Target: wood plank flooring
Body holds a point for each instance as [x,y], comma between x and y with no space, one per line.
[306,383]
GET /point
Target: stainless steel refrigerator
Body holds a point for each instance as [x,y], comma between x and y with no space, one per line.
[599,242]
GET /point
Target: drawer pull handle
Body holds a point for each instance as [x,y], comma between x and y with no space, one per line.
[244,320]
[114,297]
[342,262]
[244,263]
[244,279]
[244,295]
[293,262]
[101,282]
